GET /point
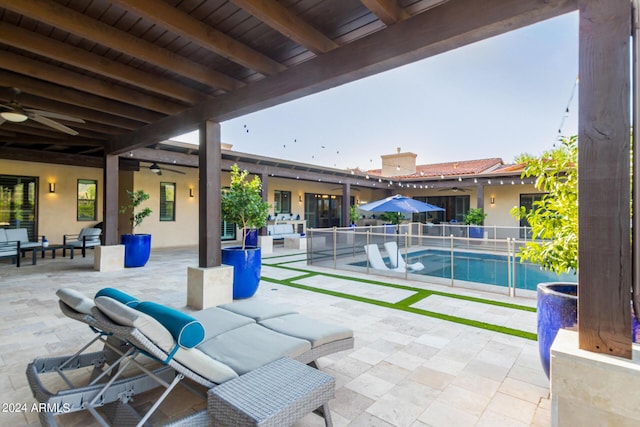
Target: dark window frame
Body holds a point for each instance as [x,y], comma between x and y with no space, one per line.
[167,206]
[86,207]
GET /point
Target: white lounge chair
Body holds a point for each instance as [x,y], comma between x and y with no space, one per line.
[210,347]
[396,260]
[375,258]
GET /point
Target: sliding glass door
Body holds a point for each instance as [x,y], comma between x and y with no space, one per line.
[18,203]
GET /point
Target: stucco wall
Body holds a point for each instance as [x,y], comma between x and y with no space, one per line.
[57,211]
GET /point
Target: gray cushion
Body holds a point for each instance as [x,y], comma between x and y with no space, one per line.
[3,235]
[217,321]
[312,330]
[237,348]
[19,234]
[257,310]
[76,300]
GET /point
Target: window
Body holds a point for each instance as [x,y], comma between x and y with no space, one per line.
[18,203]
[87,207]
[167,201]
[282,202]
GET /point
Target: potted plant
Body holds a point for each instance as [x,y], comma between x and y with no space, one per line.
[137,247]
[554,244]
[353,215]
[474,218]
[242,204]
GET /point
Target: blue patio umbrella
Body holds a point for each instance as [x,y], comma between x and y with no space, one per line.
[399,203]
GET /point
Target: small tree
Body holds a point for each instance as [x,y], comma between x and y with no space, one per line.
[554,218]
[242,203]
[353,214]
[135,199]
[475,216]
[392,217]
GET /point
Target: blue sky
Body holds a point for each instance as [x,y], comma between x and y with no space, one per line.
[498,98]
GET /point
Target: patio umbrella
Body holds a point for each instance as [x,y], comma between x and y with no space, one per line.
[399,204]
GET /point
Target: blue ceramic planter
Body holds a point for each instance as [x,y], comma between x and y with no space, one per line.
[137,249]
[246,269]
[476,232]
[557,308]
[250,237]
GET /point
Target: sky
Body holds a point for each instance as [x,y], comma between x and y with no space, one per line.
[501,97]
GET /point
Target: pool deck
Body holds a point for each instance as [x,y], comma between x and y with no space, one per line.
[407,368]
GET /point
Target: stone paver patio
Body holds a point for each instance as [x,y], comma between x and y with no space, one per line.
[407,369]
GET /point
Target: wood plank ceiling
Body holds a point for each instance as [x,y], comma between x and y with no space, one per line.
[139,71]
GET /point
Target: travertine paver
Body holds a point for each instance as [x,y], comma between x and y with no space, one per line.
[405,370]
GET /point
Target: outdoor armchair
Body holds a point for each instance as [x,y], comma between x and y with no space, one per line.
[87,238]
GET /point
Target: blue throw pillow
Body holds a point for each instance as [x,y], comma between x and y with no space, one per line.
[119,296]
[186,330]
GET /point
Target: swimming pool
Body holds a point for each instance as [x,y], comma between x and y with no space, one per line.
[483,268]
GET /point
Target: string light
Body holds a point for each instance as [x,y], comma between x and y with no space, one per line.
[566,110]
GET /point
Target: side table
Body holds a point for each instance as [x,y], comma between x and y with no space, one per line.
[275,395]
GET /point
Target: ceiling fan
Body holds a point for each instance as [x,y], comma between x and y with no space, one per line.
[454,189]
[158,170]
[14,112]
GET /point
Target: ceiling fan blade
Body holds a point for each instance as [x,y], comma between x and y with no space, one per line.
[53,115]
[173,170]
[2,120]
[48,122]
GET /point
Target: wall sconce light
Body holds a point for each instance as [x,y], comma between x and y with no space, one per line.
[52,187]
[300,198]
[191,192]
[493,200]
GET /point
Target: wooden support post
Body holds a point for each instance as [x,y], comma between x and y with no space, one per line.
[346,204]
[110,209]
[210,185]
[604,317]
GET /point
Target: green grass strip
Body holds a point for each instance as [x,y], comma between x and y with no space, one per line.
[410,288]
[404,306]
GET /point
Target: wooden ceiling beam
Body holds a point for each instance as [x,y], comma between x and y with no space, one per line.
[78,24]
[38,103]
[76,97]
[166,16]
[49,48]
[388,11]
[11,153]
[64,77]
[424,35]
[290,25]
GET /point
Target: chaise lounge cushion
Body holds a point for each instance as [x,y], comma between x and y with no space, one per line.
[219,321]
[312,330]
[237,348]
[257,310]
[76,300]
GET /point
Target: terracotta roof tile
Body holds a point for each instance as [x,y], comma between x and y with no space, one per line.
[464,167]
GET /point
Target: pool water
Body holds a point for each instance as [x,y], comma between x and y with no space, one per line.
[483,268]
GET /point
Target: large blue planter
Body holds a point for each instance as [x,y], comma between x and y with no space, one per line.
[250,237]
[137,248]
[476,232]
[557,308]
[246,269]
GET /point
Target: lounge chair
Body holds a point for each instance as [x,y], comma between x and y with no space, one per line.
[87,238]
[396,260]
[210,348]
[375,258]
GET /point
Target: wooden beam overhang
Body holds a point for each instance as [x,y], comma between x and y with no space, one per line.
[389,11]
[50,157]
[202,34]
[78,98]
[47,47]
[286,22]
[67,78]
[444,28]
[66,19]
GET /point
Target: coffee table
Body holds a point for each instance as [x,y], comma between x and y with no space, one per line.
[43,249]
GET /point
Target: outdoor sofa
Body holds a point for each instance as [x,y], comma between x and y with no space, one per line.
[280,231]
[211,347]
[14,241]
